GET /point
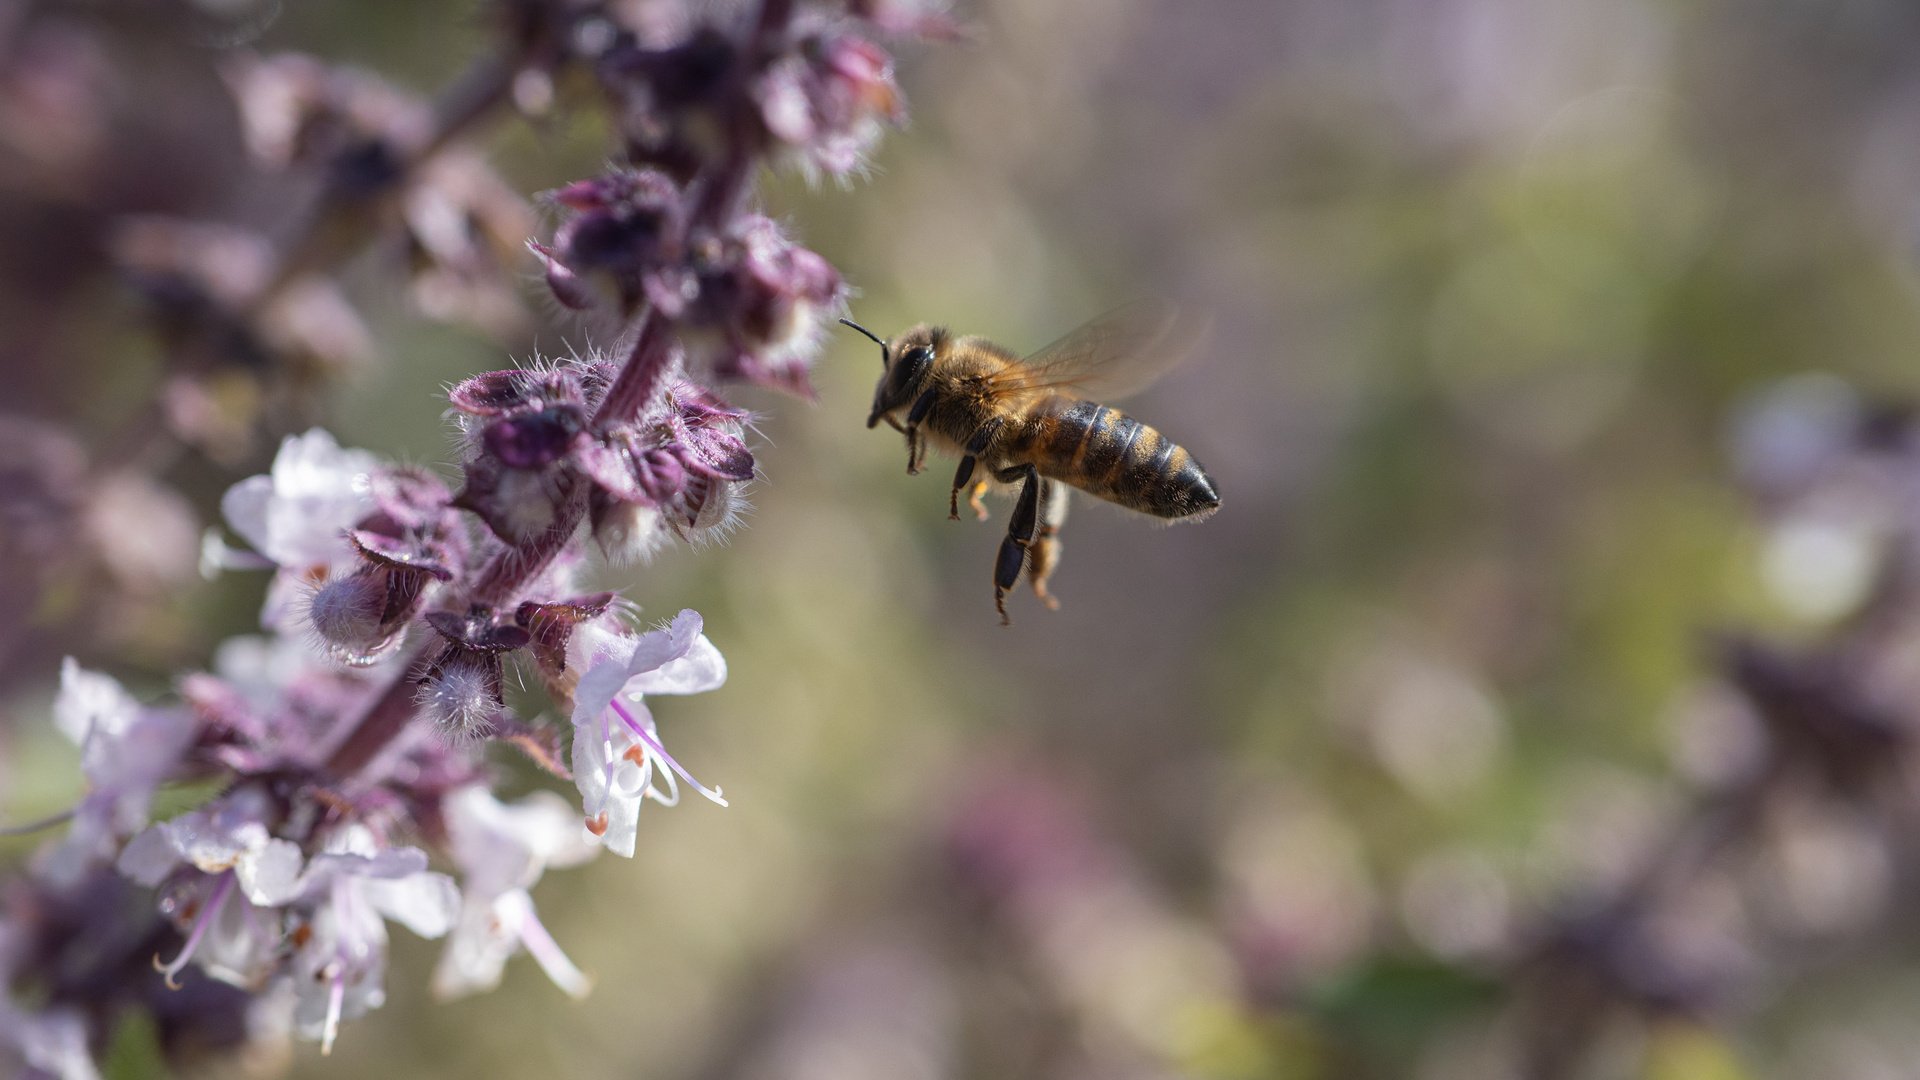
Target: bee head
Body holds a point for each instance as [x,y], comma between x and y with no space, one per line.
[905,363]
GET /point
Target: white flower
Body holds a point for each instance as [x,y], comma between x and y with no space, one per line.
[335,906]
[503,850]
[615,745]
[296,514]
[126,750]
[227,834]
[340,962]
[235,932]
[299,513]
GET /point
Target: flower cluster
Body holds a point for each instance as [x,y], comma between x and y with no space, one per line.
[751,302]
[347,742]
[283,884]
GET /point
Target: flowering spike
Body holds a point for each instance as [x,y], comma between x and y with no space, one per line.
[289,878]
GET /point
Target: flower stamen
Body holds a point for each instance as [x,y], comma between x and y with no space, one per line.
[654,746]
[540,945]
[200,925]
[336,998]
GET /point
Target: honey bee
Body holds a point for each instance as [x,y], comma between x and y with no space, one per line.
[1032,422]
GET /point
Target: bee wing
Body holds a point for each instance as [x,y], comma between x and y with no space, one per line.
[1110,357]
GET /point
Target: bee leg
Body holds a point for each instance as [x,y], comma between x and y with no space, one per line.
[916,444]
[1013,550]
[973,500]
[976,445]
[960,478]
[1045,557]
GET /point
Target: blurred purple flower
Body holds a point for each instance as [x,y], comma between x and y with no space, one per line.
[126,751]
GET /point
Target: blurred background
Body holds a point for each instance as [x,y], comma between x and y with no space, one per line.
[1539,702]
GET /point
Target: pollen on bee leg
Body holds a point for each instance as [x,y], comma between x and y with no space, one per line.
[1043,557]
[973,500]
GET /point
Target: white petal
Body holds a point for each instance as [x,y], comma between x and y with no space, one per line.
[500,847]
[284,610]
[658,647]
[515,909]
[313,465]
[319,490]
[596,760]
[128,769]
[355,839]
[270,875]
[214,842]
[241,945]
[90,701]
[148,857]
[476,953]
[245,508]
[596,691]
[700,670]
[424,903]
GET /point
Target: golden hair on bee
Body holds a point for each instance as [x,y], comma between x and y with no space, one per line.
[1033,422]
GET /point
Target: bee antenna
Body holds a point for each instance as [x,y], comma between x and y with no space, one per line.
[869,333]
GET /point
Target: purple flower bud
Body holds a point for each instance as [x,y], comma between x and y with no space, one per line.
[625,532]
[550,626]
[497,393]
[345,614]
[764,301]
[660,474]
[533,440]
[610,465]
[718,454]
[363,616]
[907,18]
[517,504]
[701,407]
[566,286]
[711,507]
[519,477]
[676,99]
[410,500]
[623,229]
[464,688]
[826,101]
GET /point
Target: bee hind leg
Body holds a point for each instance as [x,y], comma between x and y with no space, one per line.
[1013,549]
[1045,552]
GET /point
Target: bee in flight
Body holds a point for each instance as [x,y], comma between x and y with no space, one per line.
[1033,422]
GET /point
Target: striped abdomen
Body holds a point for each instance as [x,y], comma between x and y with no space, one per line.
[1106,453]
